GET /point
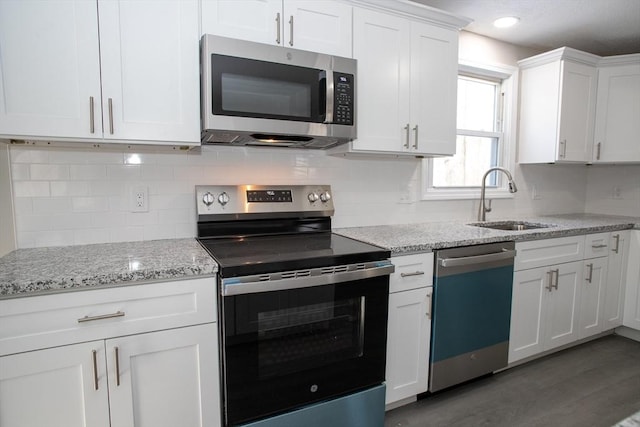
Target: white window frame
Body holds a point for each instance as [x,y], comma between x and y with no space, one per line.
[509,77]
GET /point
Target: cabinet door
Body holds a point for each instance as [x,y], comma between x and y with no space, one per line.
[632,295]
[617,126]
[563,302]
[150,70]
[318,26]
[381,44]
[49,69]
[167,378]
[592,297]
[527,313]
[408,337]
[57,387]
[254,20]
[434,88]
[577,112]
[615,285]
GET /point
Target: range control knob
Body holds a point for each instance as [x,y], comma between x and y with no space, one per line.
[207,198]
[313,197]
[325,197]
[223,198]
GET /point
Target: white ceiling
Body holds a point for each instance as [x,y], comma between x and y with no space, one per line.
[601,27]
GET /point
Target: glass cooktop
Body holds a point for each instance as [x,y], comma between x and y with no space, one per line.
[242,256]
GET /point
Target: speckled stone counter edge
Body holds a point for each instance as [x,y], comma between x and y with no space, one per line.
[36,271]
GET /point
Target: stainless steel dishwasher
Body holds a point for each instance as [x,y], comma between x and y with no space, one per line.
[471,312]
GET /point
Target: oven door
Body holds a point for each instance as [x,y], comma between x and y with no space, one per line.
[287,348]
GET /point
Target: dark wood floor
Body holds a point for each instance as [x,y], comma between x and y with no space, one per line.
[591,385]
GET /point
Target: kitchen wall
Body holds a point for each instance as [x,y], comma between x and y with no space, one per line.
[81,195]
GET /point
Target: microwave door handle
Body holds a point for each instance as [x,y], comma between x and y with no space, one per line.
[329,97]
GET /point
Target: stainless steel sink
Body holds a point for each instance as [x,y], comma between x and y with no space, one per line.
[510,225]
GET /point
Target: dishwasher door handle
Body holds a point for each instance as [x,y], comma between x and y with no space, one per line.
[477,259]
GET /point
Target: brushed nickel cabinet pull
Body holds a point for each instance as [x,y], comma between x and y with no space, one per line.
[92,127]
[617,238]
[598,150]
[549,287]
[407,127]
[599,246]
[117,367]
[563,149]
[415,273]
[415,143]
[590,277]
[101,317]
[95,369]
[111,116]
[291,30]
[278,28]
[428,313]
[557,272]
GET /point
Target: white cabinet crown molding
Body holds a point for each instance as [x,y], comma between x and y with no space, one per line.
[563,53]
[409,9]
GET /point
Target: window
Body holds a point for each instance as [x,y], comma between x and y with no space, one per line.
[483,138]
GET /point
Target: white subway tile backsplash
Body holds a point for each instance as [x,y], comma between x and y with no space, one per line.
[123,172]
[87,172]
[90,204]
[31,189]
[48,172]
[50,205]
[70,188]
[20,171]
[78,196]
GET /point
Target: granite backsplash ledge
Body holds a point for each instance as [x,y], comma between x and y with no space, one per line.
[37,270]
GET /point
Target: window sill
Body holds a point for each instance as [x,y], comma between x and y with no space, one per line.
[471,194]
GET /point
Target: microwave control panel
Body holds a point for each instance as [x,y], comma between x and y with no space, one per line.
[343,98]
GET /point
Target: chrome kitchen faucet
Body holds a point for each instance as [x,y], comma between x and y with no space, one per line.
[483,208]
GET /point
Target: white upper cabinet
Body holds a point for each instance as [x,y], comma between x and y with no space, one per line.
[150,74]
[406,85]
[617,125]
[557,107]
[49,68]
[145,55]
[322,26]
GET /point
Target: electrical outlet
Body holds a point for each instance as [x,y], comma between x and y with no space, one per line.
[139,199]
[617,192]
[535,194]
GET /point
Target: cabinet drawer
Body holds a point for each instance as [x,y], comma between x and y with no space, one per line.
[412,272]
[43,321]
[539,253]
[596,245]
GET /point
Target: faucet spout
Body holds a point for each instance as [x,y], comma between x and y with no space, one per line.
[483,208]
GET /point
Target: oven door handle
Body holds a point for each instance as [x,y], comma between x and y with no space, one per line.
[314,277]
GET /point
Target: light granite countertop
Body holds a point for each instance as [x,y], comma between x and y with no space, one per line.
[26,272]
[426,237]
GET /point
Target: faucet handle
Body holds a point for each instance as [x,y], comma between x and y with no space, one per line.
[487,207]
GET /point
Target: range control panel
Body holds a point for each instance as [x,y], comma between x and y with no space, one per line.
[227,200]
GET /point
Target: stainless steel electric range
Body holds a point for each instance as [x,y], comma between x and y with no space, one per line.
[303,311]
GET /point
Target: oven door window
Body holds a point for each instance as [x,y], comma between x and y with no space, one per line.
[250,88]
[284,349]
[309,336]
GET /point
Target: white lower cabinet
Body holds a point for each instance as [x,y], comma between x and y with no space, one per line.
[56,387]
[593,284]
[616,276]
[632,297]
[544,310]
[409,327]
[159,377]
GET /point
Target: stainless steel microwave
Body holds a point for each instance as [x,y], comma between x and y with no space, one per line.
[258,94]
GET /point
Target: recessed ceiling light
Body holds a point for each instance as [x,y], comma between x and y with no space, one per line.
[507,21]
